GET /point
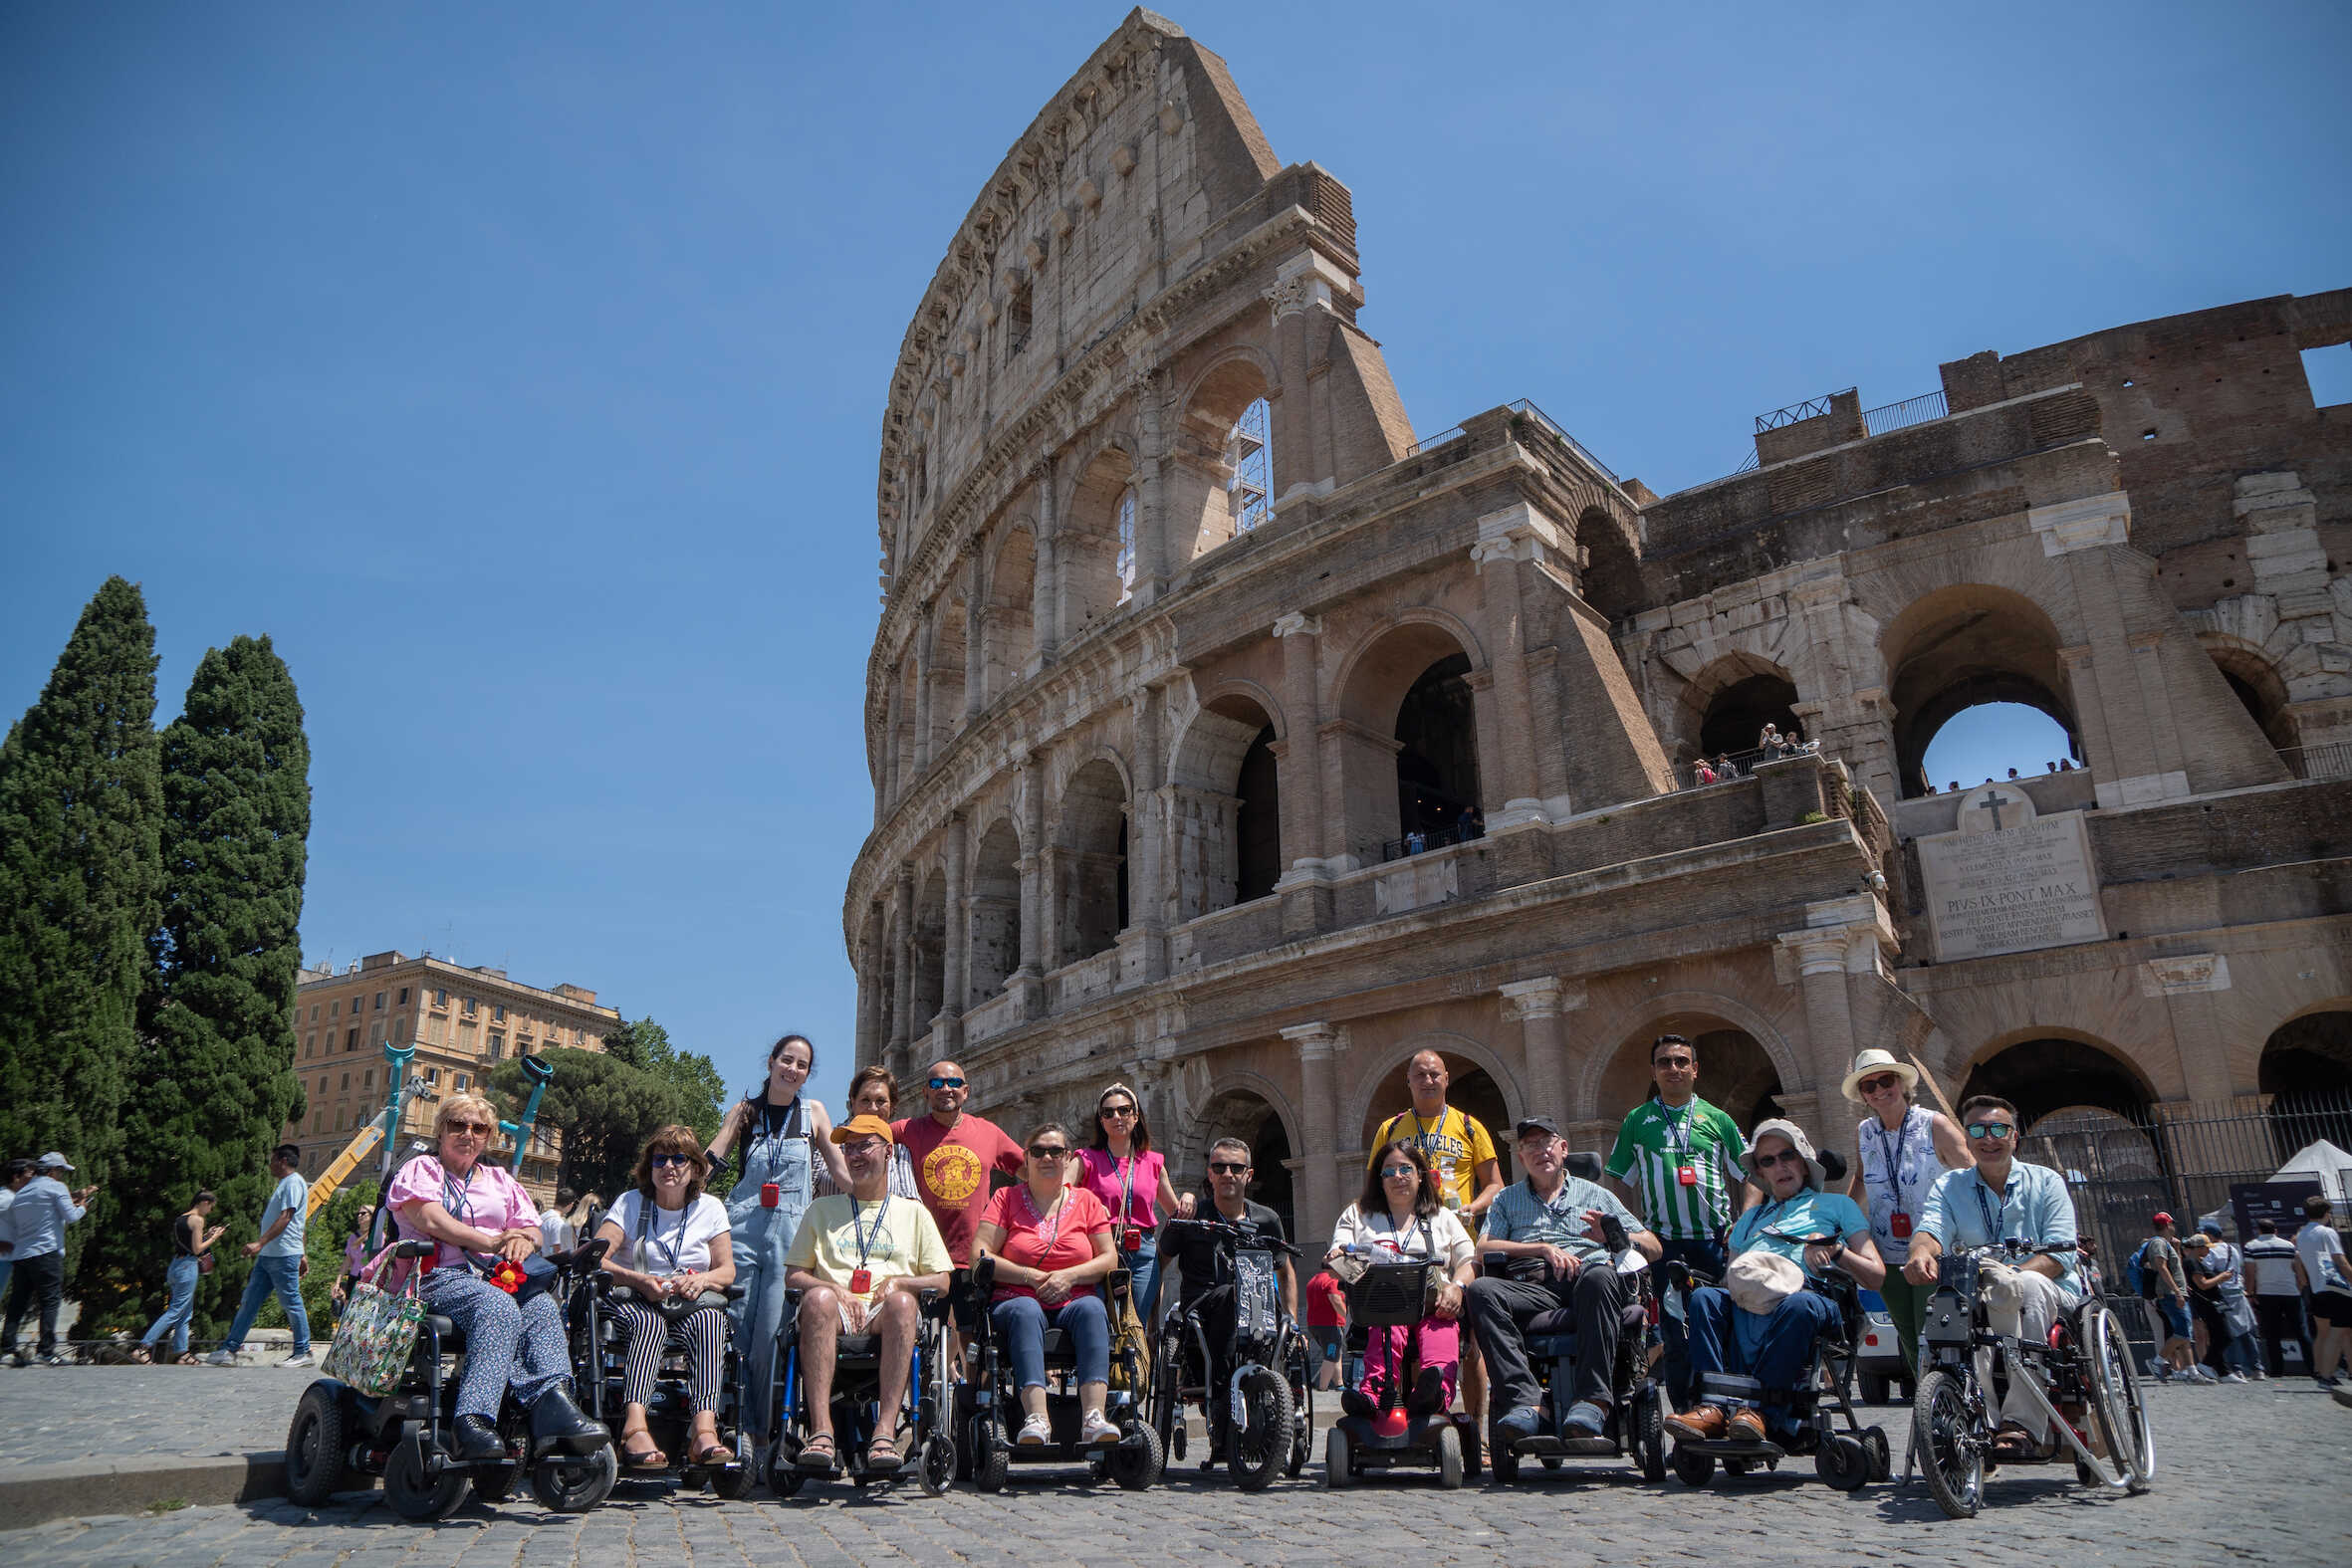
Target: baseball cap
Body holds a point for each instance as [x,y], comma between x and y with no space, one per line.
[1529,1125]
[866,1126]
[53,1161]
[2160,1218]
[2212,1227]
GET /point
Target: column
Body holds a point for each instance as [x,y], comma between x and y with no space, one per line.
[1538,1005]
[1044,600]
[891,720]
[1027,982]
[1514,798]
[2189,985]
[957,938]
[1842,938]
[1151,489]
[975,635]
[923,690]
[1305,884]
[866,1045]
[1147,891]
[1319,1204]
[902,898]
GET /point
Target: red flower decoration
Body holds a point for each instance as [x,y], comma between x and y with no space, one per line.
[507,1275]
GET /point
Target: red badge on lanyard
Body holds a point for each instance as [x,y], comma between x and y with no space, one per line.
[862,1280]
[1688,1175]
[1130,1240]
[1899,1225]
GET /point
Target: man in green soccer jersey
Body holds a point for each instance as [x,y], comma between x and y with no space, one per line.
[1676,1162]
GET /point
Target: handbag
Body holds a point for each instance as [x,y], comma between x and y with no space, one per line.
[376,1335]
[206,1262]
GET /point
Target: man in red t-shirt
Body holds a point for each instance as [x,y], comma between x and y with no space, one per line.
[953,1154]
[1327,1328]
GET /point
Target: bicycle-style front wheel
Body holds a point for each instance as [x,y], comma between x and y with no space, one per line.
[2115,1399]
[1950,1450]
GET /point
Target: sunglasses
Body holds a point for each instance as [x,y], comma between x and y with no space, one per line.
[1875,1085]
[1120,1111]
[478,1128]
[1765,1162]
[1992,1129]
[947,1083]
[1227,1168]
[1391,1172]
[1049,1151]
[672,1159]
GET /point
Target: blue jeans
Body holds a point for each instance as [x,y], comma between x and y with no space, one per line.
[181,1279]
[1774,1350]
[283,1275]
[1144,1268]
[1706,1256]
[1022,1323]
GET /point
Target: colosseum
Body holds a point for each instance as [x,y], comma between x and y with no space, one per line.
[1231,739]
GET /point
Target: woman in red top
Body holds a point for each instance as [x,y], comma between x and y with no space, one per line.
[1053,1243]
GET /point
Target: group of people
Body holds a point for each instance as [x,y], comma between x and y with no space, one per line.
[2230,1312]
[1771,744]
[36,1207]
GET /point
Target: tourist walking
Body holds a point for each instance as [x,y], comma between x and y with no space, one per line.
[12,1178]
[36,1229]
[2322,1254]
[2163,1280]
[1904,1148]
[2274,1278]
[191,1244]
[277,1263]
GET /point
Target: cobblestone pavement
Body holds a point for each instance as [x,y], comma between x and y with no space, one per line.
[2253,1474]
[51,1414]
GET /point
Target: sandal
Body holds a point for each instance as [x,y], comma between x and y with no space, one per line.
[138,1355]
[713,1453]
[644,1458]
[882,1455]
[820,1454]
[2014,1442]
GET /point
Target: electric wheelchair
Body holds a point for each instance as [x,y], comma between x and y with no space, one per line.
[1389,1295]
[923,1421]
[339,1436]
[599,1367]
[1256,1397]
[990,1402]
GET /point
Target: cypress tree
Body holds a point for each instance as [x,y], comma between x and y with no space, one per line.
[80,881]
[215,1086]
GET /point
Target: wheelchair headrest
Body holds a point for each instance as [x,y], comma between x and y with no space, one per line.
[1584,1163]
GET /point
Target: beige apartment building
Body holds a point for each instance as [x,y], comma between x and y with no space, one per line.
[462,1021]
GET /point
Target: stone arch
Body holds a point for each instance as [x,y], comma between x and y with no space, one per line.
[1611,579]
[1737,1070]
[1409,746]
[1670,1012]
[1379,1091]
[928,950]
[949,626]
[903,721]
[2305,1068]
[992,906]
[1203,507]
[1226,803]
[1090,859]
[2258,687]
[1086,549]
[1962,646]
[1253,1108]
[1728,704]
[1007,629]
[2046,1070]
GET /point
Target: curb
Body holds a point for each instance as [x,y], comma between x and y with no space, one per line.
[37,1493]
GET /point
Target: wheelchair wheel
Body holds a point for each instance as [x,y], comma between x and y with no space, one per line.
[1449,1456]
[571,1483]
[1262,1447]
[1138,1468]
[315,1445]
[1649,1441]
[1338,1462]
[412,1492]
[1953,1460]
[1882,1456]
[731,1485]
[1692,1468]
[2115,1401]
[1502,1460]
[1842,1462]
[992,1461]
[935,1465]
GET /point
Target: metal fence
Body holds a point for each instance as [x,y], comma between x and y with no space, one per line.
[1901,416]
[1462,832]
[2333,760]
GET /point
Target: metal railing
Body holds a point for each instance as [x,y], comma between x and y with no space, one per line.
[1463,832]
[1723,768]
[1525,409]
[1919,410]
[1810,408]
[2331,759]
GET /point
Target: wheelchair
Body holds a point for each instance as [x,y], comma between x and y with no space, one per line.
[1261,1368]
[1637,1401]
[340,1438]
[2081,1380]
[1388,1295]
[924,1416]
[1808,1413]
[599,1366]
[990,1404]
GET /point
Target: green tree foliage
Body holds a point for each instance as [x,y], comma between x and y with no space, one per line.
[606,1109]
[645,1044]
[214,1085]
[80,892]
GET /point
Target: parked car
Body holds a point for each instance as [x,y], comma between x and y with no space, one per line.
[1879,1366]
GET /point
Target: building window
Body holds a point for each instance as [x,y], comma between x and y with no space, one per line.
[351,1039]
[310,1044]
[440,999]
[322,1084]
[1247,454]
[318,1123]
[432,1077]
[403,995]
[379,1001]
[314,1012]
[339,1114]
[1126,562]
[368,1079]
[458,1082]
[347,1083]
[469,1006]
[498,1014]
[1018,315]
[433,1032]
[334,1008]
[497,1045]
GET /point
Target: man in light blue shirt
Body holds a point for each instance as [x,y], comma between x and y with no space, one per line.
[2001,1197]
[277,1262]
[37,1223]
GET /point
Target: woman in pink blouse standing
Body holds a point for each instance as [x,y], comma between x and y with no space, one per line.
[481,1217]
[1130,1179]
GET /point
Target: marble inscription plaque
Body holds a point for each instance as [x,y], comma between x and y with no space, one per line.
[2011,889]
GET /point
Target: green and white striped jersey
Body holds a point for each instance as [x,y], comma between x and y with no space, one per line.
[1656,1143]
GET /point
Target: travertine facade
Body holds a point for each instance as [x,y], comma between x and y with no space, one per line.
[1161,798]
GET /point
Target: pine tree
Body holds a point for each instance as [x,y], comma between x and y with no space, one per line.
[81,879]
[215,1086]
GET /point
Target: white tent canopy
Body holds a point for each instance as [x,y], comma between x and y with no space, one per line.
[2331,1166]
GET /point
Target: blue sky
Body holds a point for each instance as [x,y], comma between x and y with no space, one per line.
[519,369]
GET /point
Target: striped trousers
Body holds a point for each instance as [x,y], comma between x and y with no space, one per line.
[702,1332]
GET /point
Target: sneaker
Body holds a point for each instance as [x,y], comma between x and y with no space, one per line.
[300,1359]
[1098,1431]
[1035,1432]
[2158,1370]
[1584,1420]
[221,1358]
[1521,1420]
[2234,1377]
[54,1358]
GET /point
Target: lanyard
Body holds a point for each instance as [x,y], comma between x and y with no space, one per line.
[1428,1238]
[1678,1130]
[1893,1156]
[866,1239]
[459,1197]
[654,1229]
[1565,1218]
[1993,1217]
[791,1118]
[1061,1206]
[1127,1190]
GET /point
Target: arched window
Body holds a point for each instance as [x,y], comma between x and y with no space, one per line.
[1126,558]
[1247,454]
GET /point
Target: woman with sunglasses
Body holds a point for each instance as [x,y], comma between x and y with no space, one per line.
[782,1136]
[1400,1217]
[1130,1178]
[1904,1148]
[669,1245]
[481,1217]
[1051,1244]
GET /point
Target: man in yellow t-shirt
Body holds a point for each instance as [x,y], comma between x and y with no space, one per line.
[861,1260]
[1461,1156]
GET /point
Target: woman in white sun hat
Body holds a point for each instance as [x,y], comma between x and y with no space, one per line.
[1904,1148]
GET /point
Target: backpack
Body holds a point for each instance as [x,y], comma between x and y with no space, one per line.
[2142,1278]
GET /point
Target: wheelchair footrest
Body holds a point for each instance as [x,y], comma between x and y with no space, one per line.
[1725,1448]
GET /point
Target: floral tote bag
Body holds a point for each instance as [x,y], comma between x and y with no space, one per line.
[377,1332]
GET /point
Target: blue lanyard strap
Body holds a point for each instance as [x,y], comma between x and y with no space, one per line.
[653,1231]
[866,1239]
[1993,1217]
[1892,1149]
[1678,1130]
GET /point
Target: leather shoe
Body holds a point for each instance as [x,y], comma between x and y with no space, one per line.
[473,1437]
[1356,1403]
[558,1423]
[1700,1422]
[1429,1393]
[1746,1426]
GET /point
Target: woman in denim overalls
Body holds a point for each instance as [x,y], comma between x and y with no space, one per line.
[780,1135]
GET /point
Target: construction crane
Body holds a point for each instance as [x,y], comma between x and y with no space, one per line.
[381,1128]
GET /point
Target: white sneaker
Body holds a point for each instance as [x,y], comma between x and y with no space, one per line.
[306,1359]
[1035,1432]
[221,1358]
[1098,1431]
[2234,1377]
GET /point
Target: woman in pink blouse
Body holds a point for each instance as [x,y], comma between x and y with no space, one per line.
[1130,1180]
[481,1215]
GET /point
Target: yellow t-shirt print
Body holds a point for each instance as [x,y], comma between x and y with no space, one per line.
[950,1173]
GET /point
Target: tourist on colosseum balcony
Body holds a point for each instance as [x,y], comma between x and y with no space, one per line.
[1904,1149]
[1130,1178]
[1052,1245]
[1400,1217]
[1702,772]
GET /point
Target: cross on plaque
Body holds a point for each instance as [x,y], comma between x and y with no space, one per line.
[1993,801]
